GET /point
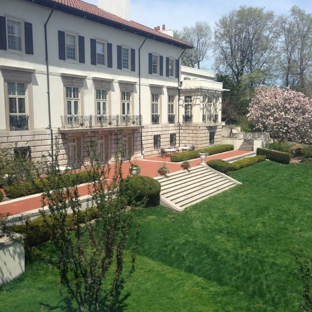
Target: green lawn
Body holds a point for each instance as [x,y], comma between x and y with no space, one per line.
[231,252]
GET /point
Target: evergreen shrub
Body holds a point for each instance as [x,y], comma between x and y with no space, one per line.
[143,187]
[281,157]
[195,153]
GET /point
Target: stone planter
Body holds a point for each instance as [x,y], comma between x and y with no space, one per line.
[134,171]
[162,172]
[202,157]
[185,166]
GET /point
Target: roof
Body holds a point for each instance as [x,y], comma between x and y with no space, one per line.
[92,12]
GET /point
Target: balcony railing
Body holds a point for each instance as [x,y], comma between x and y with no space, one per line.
[19,122]
[95,121]
[187,118]
[155,119]
[210,118]
[171,118]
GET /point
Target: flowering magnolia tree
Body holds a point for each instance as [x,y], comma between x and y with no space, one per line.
[285,114]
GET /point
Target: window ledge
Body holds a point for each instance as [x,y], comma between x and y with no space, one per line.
[21,69]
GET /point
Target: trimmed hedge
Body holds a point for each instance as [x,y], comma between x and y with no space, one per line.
[29,188]
[225,167]
[144,187]
[195,154]
[37,231]
[277,156]
[219,164]
[245,162]
[1,196]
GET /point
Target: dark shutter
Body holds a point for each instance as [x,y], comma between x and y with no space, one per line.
[132,59]
[161,65]
[150,63]
[3,45]
[61,44]
[93,51]
[167,66]
[81,47]
[119,65]
[29,48]
[109,55]
[177,69]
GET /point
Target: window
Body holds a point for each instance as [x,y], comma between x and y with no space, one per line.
[211,138]
[16,35]
[14,29]
[125,106]
[171,67]
[73,106]
[172,139]
[171,115]
[155,109]
[17,106]
[71,47]
[157,141]
[101,107]
[155,64]
[100,53]
[188,108]
[125,57]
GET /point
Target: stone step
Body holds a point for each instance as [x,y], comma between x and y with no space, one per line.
[184,188]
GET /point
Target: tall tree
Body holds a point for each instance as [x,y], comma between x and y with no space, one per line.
[244,44]
[200,36]
[296,50]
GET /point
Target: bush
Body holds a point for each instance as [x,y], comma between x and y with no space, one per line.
[245,162]
[144,187]
[195,154]
[219,165]
[37,231]
[280,146]
[1,196]
[277,156]
[28,188]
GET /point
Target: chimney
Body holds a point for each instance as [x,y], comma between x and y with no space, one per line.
[163,27]
[120,8]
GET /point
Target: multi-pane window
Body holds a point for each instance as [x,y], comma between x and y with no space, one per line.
[172,139]
[211,138]
[125,106]
[125,57]
[188,108]
[72,100]
[155,64]
[155,108]
[71,46]
[157,141]
[14,30]
[100,53]
[101,106]
[17,106]
[171,109]
[171,67]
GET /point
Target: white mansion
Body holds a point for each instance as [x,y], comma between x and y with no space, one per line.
[81,73]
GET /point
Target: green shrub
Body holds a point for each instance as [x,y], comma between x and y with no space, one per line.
[144,187]
[37,231]
[277,156]
[245,162]
[1,196]
[219,165]
[280,146]
[195,154]
[306,152]
[29,188]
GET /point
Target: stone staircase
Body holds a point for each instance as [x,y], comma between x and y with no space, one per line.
[184,188]
[247,145]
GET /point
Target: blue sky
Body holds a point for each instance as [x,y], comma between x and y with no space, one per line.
[178,13]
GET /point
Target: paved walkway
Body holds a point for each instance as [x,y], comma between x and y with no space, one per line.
[149,167]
